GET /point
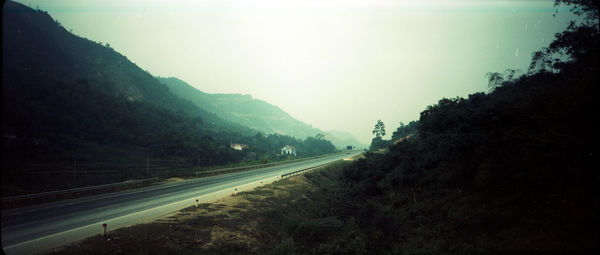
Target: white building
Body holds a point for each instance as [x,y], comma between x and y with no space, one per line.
[238,146]
[288,150]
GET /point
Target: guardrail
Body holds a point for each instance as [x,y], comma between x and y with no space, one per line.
[304,170]
[235,169]
[75,190]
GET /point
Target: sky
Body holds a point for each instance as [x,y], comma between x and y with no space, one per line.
[334,64]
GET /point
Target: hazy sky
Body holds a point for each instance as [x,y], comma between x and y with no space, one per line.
[338,64]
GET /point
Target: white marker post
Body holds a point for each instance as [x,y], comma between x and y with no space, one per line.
[235,191]
[104,229]
[196,202]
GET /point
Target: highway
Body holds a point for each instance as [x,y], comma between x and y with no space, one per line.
[40,228]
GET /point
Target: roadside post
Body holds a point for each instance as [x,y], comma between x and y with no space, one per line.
[196,202]
[104,229]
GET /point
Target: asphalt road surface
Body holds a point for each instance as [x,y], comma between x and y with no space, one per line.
[43,227]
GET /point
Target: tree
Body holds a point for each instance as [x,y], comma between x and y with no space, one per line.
[405,130]
[379,130]
[576,47]
[496,79]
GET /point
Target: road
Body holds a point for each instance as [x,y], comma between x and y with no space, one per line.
[43,227]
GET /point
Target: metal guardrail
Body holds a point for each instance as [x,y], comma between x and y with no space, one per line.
[75,190]
[235,169]
[304,170]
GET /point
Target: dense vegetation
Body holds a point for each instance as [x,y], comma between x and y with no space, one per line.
[404,131]
[75,112]
[511,171]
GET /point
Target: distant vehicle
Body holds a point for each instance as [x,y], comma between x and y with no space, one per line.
[349,147]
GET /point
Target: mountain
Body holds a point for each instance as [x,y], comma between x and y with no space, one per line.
[242,109]
[74,110]
[66,98]
[38,49]
[54,82]
[253,113]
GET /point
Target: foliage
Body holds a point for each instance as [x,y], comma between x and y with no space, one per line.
[379,130]
[576,48]
[405,130]
[496,79]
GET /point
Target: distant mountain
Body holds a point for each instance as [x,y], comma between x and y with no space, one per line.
[343,138]
[253,113]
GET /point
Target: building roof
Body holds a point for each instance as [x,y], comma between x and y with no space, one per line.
[288,147]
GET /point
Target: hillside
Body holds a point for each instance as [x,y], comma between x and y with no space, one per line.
[78,113]
[512,171]
[37,49]
[253,113]
[242,109]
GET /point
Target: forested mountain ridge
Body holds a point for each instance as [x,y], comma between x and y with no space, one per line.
[242,109]
[37,48]
[253,113]
[54,82]
[74,110]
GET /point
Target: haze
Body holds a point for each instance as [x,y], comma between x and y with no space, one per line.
[338,65]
